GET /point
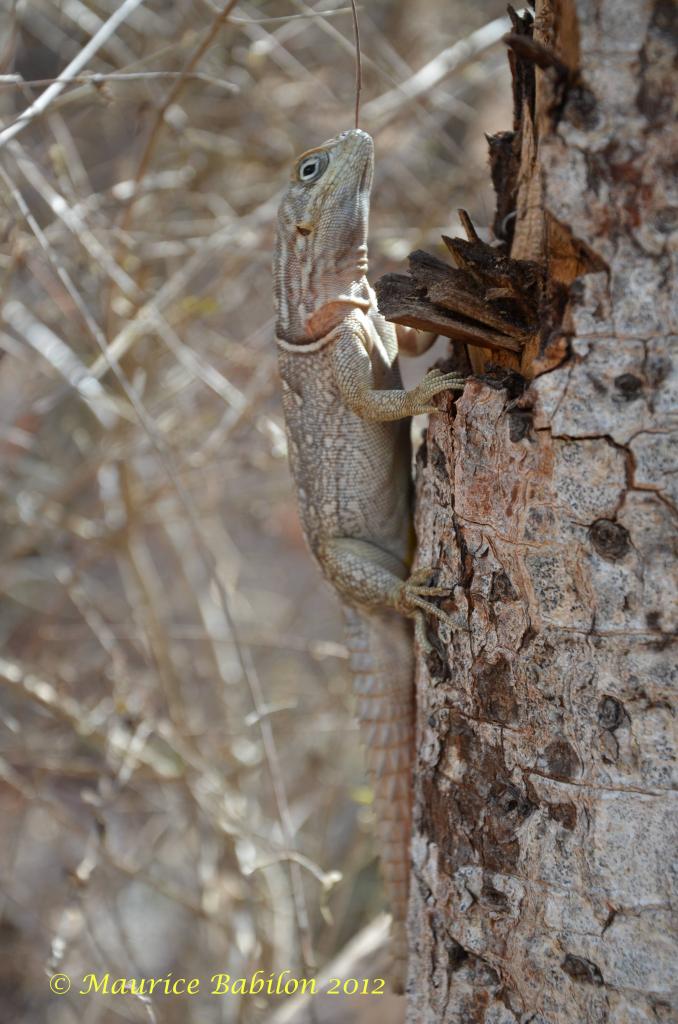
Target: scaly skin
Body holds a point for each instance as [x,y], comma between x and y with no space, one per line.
[347,418]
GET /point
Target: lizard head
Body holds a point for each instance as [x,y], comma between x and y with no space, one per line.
[321,251]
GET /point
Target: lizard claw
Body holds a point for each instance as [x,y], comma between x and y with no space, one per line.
[421,575]
[430,591]
[413,593]
[433,384]
[430,609]
[451,375]
[420,636]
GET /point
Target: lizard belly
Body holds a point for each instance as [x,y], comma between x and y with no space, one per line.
[353,476]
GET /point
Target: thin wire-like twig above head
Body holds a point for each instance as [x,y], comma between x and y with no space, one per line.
[358,65]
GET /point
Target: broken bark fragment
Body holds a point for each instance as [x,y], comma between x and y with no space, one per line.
[487,299]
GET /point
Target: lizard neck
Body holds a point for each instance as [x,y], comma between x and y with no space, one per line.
[333,310]
[318,295]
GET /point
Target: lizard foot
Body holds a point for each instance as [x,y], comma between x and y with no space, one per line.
[412,594]
[450,377]
[416,602]
[418,584]
[433,384]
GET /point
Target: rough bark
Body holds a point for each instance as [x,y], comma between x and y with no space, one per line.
[545,814]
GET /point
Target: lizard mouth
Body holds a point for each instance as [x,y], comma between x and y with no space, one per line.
[366,177]
[361,152]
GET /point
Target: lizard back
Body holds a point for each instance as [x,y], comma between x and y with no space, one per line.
[353,477]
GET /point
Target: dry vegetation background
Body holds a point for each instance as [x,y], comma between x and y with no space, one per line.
[180,777]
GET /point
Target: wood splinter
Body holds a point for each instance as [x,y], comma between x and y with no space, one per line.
[486,299]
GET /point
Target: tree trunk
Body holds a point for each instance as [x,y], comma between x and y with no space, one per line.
[544,807]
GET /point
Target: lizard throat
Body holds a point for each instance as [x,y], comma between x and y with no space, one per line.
[322,324]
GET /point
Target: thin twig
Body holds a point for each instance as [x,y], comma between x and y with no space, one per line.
[386,106]
[173,95]
[96,78]
[289,17]
[358,66]
[56,352]
[77,64]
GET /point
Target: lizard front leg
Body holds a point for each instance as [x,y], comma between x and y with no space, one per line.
[354,376]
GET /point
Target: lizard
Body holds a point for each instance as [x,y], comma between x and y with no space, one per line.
[347,419]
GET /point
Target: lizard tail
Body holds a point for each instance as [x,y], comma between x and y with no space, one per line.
[380,646]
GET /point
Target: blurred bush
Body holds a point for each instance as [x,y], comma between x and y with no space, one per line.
[180,778]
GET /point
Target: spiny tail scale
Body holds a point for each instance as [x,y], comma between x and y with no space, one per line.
[382,663]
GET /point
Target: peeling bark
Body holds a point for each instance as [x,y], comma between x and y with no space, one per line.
[545,784]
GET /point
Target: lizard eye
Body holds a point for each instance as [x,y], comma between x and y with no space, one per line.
[313,167]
